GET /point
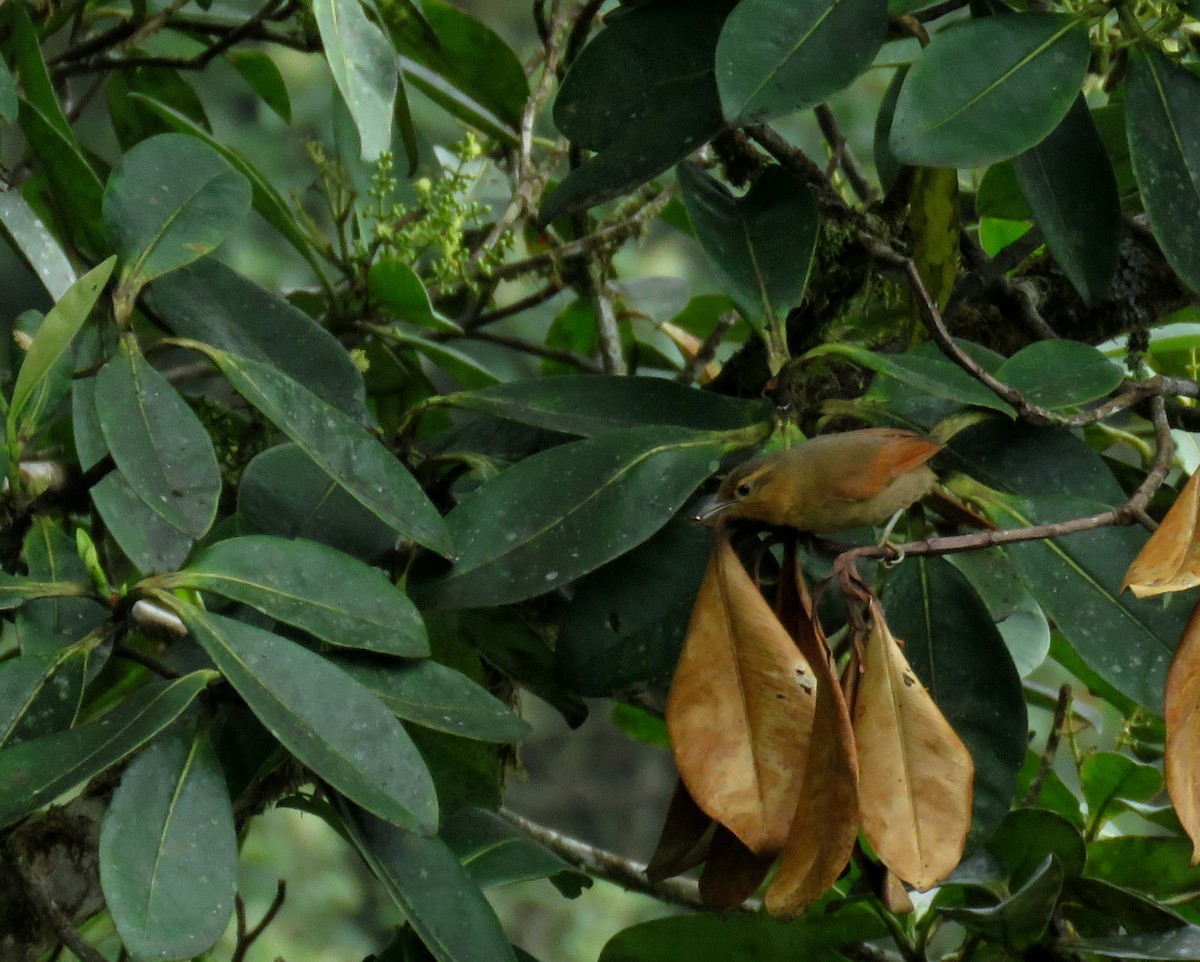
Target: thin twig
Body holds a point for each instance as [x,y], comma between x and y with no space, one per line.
[537,350]
[608,332]
[843,155]
[551,290]
[708,348]
[1062,711]
[148,662]
[245,938]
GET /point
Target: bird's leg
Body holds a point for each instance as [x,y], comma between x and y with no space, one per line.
[887,533]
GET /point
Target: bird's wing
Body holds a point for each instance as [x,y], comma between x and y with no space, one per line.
[886,455]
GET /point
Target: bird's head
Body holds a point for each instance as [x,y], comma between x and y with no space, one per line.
[749,491]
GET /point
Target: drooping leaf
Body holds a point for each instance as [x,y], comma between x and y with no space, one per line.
[438,897]
[39,770]
[170,201]
[732,872]
[168,849]
[740,708]
[265,78]
[1161,101]
[597,498]
[1069,183]
[363,63]
[158,443]
[988,89]
[1183,733]
[323,591]
[685,838]
[329,721]
[886,164]
[915,774]
[1170,560]
[1020,920]
[34,242]
[212,303]
[779,56]
[354,459]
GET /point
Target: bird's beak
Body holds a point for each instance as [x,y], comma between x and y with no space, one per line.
[712,509]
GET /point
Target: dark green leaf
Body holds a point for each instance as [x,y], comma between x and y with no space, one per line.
[465,369]
[447,96]
[40,694]
[438,898]
[1027,835]
[591,405]
[8,94]
[934,610]
[761,245]
[329,721]
[1072,190]
[1021,919]
[363,64]
[989,89]
[1109,778]
[496,852]
[1053,794]
[596,499]
[158,443]
[434,695]
[16,591]
[168,849]
[778,56]
[1159,867]
[1177,945]
[212,303]
[34,242]
[170,201]
[1060,373]
[1092,906]
[886,164]
[263,75]
[1162,101]
[313,587]
[466,772]
[285,493]
[38,771]
[358,462]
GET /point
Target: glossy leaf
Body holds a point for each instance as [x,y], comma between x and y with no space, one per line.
[598,498]
[33,241]
[395,287]
[41,693]
[363,64]
[1027,835]
[1014,79]
[1161,102]
[740,709]
[1170,560]
[437,896]
[313,587]
[1156,866]
[976,687]
[158,443]
[265,78]
[436,696]
[1108,778]
[168,849]
[329,721]
[1183,732]
[761,245]
[1174,945]
[779,56]
[591,405]
[1072,190]
[212,303]
[38,771]
[1060,373]
[1020,920]
[354,459]
[54,337]
[495,852]
[915,774]
[169,202]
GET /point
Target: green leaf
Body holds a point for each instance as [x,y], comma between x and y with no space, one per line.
[363,64]
[212,303]
[1077,580]
[933,609]
[438,898]
[761,245]
[1060,373]
[169,850]
[329,721]
[41,693]
[358,462]
[465,771]
[988,89]
[322,591]
[1027,835]
[1020,920]
[595,500]
[436,696]
[1109,778]
[1072,190]
[496,852]
[1158,866]
[395,287]
[8,94]
[625,626]
[1175,945]
[1162,100]
[886,164]
[264,77]
[465,369]
[158,443]
[285,493]
[779,56]
[38,771]
[34,242]
[57,331]
[170,201]
[1092,906]
[597,403]
[15,590]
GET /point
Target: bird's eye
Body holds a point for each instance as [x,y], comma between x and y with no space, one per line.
[742,490]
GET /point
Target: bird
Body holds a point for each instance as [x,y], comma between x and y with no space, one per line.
[832,482]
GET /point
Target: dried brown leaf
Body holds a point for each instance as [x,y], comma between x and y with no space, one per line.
[685,838]
[1170,560]
[1182,760]
[915,787]
[732,872]
[740,709]
[825,822]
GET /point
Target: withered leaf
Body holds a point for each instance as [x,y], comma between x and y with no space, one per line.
[1182,759]
[685,838]
[740,709]
[915,786]
[1170,560]
[732,872]
[825,821]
